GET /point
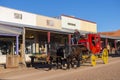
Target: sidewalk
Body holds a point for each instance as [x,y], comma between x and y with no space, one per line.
[3,70]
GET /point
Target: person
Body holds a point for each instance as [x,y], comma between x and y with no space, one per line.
[108,48]
[72,40]
[76,36]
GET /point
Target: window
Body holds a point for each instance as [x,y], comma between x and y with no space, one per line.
[17,16]
[5,47]
[72,24]
[50,23]
[29,46]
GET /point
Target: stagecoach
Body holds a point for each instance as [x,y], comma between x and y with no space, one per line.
[93,44]
[88,47]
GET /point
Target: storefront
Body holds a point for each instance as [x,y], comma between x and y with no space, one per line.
[37,40]
[9,41]
[111,43]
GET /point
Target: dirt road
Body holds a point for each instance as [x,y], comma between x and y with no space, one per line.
[110,71]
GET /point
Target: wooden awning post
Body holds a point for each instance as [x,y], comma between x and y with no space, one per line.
[106,42]
[69,39]
[115,45]
[48,37]
[48,40]
[17,44]
[23,47]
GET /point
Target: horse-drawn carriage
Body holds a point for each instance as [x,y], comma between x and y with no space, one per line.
[87,47]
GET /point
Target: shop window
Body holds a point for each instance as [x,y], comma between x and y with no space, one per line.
[17,16]
[50,23]
[29,46]
[5,47]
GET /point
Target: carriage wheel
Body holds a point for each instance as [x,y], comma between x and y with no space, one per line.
[93,60]
[105,56]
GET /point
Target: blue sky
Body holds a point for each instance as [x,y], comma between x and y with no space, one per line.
[106,13]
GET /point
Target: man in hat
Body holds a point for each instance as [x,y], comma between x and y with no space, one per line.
[76,36]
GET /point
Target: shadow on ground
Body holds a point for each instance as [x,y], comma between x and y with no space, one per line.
[114,55]
[45,66]
[40,65]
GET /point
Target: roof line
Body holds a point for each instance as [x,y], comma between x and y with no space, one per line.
[78,18]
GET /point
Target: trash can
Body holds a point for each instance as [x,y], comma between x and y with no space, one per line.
[12,61]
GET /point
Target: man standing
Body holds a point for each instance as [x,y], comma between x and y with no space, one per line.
[76,36]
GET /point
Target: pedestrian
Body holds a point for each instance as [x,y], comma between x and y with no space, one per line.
[76,36]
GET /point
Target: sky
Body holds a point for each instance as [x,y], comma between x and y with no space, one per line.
[106,13]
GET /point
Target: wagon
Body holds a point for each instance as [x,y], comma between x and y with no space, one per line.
[93,44]
[88,47]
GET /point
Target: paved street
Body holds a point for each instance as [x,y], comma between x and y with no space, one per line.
[110,71]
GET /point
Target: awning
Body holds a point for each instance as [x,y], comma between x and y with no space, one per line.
[110,37]
[35,27]
[63,30]
[10,30]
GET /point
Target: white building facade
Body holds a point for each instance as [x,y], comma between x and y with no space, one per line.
[16,16]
